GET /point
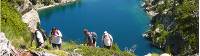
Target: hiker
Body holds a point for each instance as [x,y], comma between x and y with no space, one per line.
[90,37]
[87,36]
[94,36]
[107,40]
[38,37]
[56,38]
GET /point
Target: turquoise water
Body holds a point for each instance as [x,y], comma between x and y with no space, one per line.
[124,19]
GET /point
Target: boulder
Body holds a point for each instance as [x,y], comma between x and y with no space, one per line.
[6,49]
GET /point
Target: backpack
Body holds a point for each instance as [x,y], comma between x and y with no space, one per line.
[108,37]
[43,34]
[94,36]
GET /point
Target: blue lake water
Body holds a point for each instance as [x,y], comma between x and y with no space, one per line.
[125,20]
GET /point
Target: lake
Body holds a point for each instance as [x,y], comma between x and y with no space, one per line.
[125,20]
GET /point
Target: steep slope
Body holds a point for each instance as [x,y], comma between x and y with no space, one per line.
[174,25]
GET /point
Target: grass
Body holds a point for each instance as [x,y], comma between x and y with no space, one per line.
[71,47]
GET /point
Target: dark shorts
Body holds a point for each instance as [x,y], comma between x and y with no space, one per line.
[108,47]
[56,45]
[94,40]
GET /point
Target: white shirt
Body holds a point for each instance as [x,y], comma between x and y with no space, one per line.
[57,38]
[107,40]
[39,36]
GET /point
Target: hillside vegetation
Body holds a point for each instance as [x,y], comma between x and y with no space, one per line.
[11,24]
[175,27]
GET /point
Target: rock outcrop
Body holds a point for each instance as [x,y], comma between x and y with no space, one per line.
[29,12]
[6,49]
[149,7]
[24,7]
[31,18]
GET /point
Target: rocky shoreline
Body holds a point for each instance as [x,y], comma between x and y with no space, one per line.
[63,2]
[148,8]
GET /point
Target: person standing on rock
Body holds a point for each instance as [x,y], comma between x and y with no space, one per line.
[107,40]
[56,38]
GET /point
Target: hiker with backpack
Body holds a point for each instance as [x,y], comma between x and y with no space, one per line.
[56,38]
[107,40]
[90,38]
[39,36]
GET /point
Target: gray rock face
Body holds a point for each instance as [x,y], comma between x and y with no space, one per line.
[24,7]
[31,18]
[6,49]
[29,14]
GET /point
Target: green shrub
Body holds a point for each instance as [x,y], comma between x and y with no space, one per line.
[13,27]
